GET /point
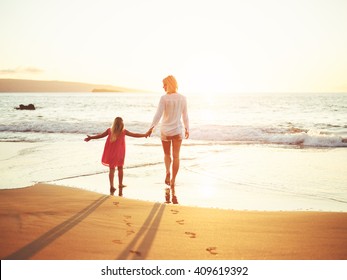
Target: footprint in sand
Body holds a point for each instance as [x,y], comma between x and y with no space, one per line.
[190,234]
[212,250]
[130,232]
[117,241]
[174,211]
[126,220]
[137,253]
[116,203]
[180,222]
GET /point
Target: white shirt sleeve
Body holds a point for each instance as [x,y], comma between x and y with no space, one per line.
[159,113]
[170,110]
[185,115]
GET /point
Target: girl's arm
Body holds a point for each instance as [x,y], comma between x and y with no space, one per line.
[98,136]
[138,135]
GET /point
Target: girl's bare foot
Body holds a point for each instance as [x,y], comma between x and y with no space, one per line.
[174,199]
[112,190]
[122,186]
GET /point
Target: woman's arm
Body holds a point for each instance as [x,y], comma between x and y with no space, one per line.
[98,136]
[185,118]
[158,114]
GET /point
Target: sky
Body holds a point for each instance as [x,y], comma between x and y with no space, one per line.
[210,46]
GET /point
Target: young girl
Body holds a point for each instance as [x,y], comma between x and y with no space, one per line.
[114,151]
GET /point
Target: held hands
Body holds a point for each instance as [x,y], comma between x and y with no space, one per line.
[149,132]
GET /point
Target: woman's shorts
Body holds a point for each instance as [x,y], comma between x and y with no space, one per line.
[177,137]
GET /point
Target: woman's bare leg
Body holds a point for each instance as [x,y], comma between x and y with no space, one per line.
[167,159]
[176,147]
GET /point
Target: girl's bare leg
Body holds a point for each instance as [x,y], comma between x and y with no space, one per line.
[120,176]
[167,159]
[176,147]
[111,178]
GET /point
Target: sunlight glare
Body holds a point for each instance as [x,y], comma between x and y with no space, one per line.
[207,73]
[207,187]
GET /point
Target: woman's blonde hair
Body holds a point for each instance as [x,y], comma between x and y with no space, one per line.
[171,83]
[117,128]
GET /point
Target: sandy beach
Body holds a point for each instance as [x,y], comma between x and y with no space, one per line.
[49,222]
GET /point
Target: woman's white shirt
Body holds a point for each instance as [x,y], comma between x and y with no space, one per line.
[171,108]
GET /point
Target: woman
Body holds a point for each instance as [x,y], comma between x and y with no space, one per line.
[172,107]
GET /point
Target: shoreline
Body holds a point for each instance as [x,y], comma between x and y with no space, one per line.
[239,180]
[58,222]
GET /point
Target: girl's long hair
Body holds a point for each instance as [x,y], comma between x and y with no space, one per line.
[117,128]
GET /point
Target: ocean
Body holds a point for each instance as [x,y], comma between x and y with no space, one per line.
[245,152]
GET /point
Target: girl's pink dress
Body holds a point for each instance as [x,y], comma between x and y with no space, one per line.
[114,152]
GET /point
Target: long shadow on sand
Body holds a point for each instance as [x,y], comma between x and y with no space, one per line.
[148,230]
[44,240]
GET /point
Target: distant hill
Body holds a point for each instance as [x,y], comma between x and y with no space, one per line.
[17,85]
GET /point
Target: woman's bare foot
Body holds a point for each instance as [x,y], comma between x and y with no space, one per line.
[167,195]
[167,179]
